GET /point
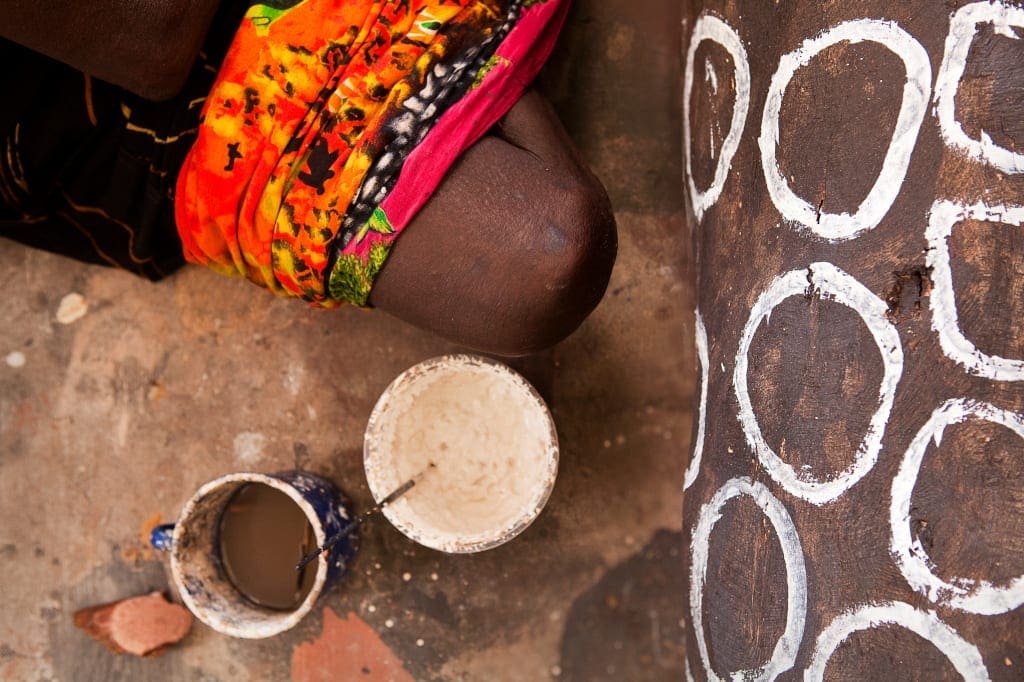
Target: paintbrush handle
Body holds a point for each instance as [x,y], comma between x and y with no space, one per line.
[358,521]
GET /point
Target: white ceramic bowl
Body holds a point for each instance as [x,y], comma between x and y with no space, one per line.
[500,398]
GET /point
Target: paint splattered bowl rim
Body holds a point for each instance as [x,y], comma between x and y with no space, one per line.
[373,452]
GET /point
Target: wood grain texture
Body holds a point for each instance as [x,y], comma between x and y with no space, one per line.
[814,368]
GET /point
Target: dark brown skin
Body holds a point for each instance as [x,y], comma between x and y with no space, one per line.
[814,370]
[508,257]
[146,46]
[514,249]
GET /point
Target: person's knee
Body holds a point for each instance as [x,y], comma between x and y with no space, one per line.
[566,268]
[509,256]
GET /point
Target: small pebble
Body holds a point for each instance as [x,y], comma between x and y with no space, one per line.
[407,576]
[607,443]
[15,359]
[371,608]
[72,307]
[419,642]
[433,576]
[556,670]
[389,623]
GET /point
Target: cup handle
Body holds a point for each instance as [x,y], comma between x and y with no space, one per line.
[162,537]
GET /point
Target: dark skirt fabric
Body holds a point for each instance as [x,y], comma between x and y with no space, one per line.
[87,169]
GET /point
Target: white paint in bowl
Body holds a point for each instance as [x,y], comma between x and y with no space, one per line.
[493,442]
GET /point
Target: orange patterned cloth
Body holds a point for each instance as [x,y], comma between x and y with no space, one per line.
[315,110]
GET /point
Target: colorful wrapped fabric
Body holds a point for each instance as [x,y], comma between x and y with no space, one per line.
[333,121]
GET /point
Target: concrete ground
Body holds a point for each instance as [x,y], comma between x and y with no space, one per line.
[110,421]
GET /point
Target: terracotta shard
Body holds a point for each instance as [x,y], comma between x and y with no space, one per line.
[347,649]
[143,626]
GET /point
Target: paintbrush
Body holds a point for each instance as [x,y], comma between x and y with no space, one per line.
[362,518]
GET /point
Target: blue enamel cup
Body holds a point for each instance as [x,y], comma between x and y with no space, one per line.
[196,568]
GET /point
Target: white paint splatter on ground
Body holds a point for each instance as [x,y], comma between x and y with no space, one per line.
[293,378]
[72,308]
[15,359]
[249,448]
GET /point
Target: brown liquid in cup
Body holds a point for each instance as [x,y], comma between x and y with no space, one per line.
[263,534]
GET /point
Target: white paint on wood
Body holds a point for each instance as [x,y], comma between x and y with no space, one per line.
[785,651]
[964,656]
[963,29]
[712,28]
[943,217]
[966,594]
[833,284]
[693,470]
[916,91]
[710,76]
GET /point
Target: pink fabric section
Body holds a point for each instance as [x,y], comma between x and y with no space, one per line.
[520,56]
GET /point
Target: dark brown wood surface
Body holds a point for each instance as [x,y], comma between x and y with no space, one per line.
[814,367]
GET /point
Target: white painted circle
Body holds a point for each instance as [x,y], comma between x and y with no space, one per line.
[964,656]
[945,319]
[837,286]
[712,28]
[965,594]
[784,655]
[916,91]
[693,470]
[963,28]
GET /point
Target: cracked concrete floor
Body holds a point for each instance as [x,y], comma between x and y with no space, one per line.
[108,423]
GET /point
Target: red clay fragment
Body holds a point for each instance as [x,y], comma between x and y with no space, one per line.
[347,649]
[143,626]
